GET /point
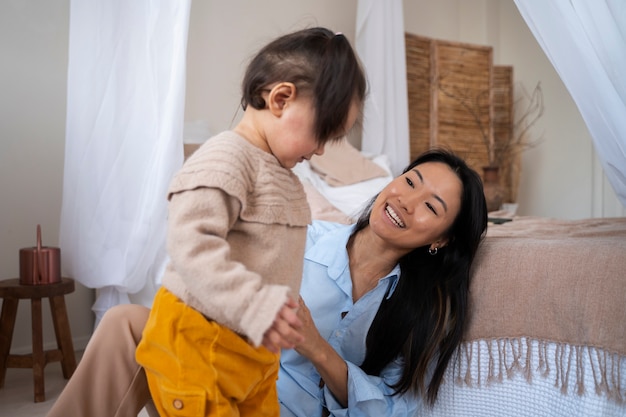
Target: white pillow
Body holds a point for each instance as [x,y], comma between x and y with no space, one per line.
[350,199]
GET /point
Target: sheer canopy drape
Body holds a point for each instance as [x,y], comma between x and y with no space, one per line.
[380,45]
[586,42]
[125,103]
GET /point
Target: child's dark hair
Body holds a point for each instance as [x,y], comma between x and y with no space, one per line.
[316,61]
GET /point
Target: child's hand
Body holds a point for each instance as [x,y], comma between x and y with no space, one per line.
[284,333]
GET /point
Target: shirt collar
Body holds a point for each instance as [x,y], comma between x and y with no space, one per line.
[330,250]
[394,275]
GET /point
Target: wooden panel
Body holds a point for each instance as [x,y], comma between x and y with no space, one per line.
[459,100]
[462,74]
[419,92]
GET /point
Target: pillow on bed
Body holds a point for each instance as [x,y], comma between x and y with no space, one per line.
[321,208]
[343,164]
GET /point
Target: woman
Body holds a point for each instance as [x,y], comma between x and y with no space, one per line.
[387,296]
[383,306]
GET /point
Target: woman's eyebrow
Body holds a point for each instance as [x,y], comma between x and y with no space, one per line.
[435,196]
[419,174]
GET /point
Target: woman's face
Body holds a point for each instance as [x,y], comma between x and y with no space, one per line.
[418,207]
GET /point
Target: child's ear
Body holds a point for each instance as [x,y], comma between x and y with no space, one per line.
[280,95]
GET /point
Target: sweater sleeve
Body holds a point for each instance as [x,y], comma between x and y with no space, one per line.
[212,281]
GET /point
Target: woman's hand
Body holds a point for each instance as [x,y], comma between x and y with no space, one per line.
[285,331]
[331,367]
[312,338]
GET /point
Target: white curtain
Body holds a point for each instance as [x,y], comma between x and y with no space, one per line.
[380,45]
[586,42]
[125,104]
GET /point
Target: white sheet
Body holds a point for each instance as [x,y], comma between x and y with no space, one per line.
[350,199]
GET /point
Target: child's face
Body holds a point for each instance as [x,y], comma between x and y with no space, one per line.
[296,141]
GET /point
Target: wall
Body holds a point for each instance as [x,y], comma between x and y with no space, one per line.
[33,46]
[560,177]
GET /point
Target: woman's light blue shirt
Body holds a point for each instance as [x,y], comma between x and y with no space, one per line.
[327,291]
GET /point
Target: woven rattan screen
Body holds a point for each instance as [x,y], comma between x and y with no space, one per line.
[458,99]
[503,121]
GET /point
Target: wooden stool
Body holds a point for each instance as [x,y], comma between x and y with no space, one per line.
[12,291]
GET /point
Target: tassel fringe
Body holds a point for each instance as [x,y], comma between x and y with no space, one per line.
[575,369]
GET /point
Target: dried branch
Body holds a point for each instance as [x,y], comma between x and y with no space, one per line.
[528,118]
[518,141]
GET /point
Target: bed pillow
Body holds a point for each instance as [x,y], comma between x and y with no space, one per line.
[343,164]
[321,208]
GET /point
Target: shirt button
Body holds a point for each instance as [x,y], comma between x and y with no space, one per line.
[178,404]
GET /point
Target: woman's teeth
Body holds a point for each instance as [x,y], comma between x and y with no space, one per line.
[391,214]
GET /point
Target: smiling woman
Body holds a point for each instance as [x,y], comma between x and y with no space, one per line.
[424,318]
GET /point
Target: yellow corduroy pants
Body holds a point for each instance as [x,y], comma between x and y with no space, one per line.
[196,367]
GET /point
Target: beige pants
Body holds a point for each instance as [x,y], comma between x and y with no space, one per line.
[108,382]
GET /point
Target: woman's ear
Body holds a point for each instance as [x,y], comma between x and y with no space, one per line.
[440,243]
[280,96]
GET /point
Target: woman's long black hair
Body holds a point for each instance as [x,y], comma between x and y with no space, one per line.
[424,319]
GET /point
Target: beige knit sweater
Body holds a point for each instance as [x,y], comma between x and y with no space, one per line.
[236,234]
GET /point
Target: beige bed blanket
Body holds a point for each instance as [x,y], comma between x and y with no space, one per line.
[563,281]
[548,299]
